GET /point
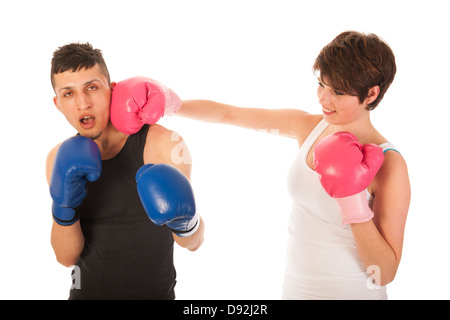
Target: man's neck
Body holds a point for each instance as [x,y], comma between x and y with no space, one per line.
[110,142]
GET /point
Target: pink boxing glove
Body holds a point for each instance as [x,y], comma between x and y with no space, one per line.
[346,168]
[138,101]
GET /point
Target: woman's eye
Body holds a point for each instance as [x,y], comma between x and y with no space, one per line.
[338,93]
[320,84]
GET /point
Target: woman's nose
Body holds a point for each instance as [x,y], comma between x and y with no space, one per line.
[324,96]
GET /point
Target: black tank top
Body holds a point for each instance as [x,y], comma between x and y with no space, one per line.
[125,255]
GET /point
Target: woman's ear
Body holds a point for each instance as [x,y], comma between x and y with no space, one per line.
[372,95]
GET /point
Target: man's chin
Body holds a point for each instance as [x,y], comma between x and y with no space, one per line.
[91,136]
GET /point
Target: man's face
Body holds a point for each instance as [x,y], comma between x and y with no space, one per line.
[84,97]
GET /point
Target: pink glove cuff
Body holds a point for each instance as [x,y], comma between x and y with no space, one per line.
[355,208]
[173,102]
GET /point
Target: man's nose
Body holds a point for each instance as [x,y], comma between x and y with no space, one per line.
[83,102]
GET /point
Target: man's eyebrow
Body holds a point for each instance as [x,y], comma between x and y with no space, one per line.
[85,84]
[91,81]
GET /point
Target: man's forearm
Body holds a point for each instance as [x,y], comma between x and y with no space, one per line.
[67,243]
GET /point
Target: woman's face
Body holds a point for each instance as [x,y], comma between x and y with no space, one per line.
[339,108]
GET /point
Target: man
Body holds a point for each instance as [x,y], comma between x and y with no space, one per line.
[102,188]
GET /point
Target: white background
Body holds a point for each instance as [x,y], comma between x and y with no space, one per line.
[246,53]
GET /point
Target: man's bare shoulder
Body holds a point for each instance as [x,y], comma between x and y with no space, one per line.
[161,138]
[163,145]
[158,132]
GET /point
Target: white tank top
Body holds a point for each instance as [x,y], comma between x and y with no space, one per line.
[322,260]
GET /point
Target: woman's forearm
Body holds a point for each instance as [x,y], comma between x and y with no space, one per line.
[204,110]
[375,252]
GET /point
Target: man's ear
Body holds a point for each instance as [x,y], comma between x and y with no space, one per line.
[56,102]
[372,95]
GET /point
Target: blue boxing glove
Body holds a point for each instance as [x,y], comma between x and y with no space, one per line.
[168,199]
[77,160]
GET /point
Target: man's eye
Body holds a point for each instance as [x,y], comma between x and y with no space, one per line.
[90,88]
[67,94]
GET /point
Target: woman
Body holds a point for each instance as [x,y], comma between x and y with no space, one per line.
[326,259]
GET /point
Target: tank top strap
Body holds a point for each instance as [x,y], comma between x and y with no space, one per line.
[388,146]
[136,143]
[313,136]
[321,126]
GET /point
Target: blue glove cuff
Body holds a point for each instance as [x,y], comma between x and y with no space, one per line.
[190,228]
[64,216]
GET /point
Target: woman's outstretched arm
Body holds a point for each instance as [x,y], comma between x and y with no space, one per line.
[285,122]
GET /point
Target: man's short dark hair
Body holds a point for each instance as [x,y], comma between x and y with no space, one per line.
[77,56]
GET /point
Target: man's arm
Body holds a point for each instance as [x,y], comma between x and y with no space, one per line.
[67,241]
[166,146]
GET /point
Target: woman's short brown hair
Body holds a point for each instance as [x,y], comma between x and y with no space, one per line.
[354,62]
